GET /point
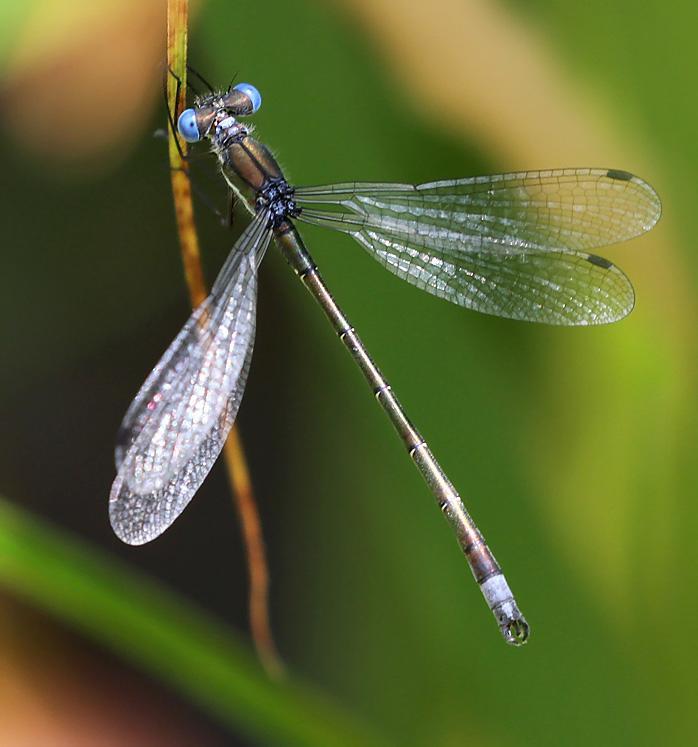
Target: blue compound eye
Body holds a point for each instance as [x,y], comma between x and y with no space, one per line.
[252,94]
[187,127]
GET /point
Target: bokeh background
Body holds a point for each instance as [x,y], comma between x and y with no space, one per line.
[574,449]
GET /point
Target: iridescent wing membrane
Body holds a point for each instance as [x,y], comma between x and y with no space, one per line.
[176,427]
[512,245]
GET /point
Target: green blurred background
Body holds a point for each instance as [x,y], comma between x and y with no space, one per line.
[574,449]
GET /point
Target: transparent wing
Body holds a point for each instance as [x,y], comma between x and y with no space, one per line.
[176,426]
[512,245]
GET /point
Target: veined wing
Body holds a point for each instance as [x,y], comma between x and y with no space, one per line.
[176,427]
[511,245]
[573,209]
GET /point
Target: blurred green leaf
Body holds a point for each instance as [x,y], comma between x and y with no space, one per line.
[163,634]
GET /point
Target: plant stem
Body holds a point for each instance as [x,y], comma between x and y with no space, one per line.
[233,452]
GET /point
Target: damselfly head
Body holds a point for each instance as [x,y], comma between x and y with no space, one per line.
[194,124]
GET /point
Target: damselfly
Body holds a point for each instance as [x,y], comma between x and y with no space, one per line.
[512,245]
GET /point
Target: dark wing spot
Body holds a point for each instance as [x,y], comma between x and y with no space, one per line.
[600,261]
[623,176]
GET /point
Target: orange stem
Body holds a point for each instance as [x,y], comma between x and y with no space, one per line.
[260,623]
[238,472]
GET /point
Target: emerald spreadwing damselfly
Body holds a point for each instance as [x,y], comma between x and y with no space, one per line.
[513,245]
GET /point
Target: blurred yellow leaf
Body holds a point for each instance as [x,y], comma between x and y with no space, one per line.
[82,77]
